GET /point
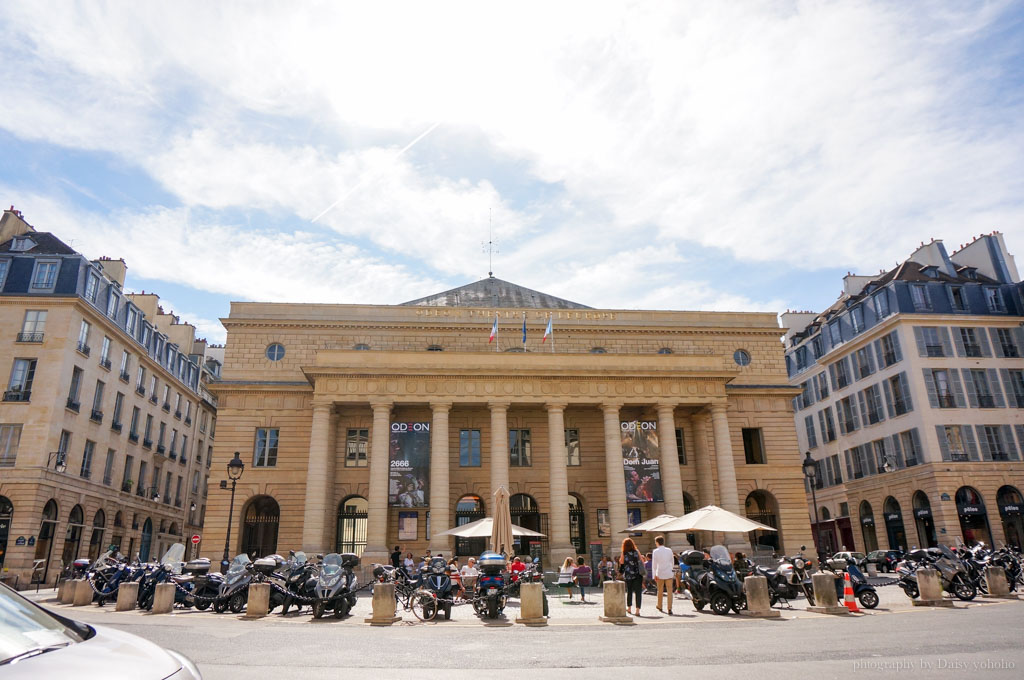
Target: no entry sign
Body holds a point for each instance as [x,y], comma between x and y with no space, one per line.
[196,538]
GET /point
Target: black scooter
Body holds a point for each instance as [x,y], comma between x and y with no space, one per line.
[335,588]
[862,590]
[234,591]
[436,578]
[714,581]
[298,577]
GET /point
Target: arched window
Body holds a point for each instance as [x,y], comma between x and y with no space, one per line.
[352,518]
[577,524]
[923,520]
[665,350]
[99,521]
[1011,510]
[118,519]
[973,516]
[762,507]
[73,537]
[6,512]
[598,350]
[259,532]
[867,527]
[44,545]
[146,544]
[469,509]
[894,524]
[825,514]
[526,514]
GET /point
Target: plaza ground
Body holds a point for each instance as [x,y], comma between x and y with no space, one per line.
[982,637]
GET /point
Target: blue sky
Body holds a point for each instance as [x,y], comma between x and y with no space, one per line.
[704,155]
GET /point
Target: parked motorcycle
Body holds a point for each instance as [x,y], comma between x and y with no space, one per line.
[952,572]
[170,564]
[862,590]
[490,596]
[713,581]
[205,584]
[335,588]
[107,573]
[779,587]
[234,590]
[436,578]
[796,572]
[298,577]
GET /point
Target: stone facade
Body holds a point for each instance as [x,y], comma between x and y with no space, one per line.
[349,369]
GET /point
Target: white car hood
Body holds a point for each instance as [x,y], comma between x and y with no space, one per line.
[109,653]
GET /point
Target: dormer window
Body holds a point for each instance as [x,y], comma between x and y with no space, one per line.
[931,271]
[22,243]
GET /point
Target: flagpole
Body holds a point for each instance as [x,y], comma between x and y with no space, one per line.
[496,330]
[552,333]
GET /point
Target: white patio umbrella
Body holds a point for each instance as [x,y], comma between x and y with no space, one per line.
[482,528]
[653,524]
[714,518]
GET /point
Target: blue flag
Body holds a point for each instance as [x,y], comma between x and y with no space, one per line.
[524,328]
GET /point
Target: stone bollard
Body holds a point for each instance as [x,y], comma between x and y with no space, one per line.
[759,602]
[825,599]
[383,605]
[531,605]
[872,569]
[127,596]
[258,604]
[930,590]
[66,592]
[83,593]
[163,598]
[995,577]
[615,603]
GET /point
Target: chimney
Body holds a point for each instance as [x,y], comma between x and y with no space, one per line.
[114,269]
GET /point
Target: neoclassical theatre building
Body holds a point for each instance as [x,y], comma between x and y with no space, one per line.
[363,427]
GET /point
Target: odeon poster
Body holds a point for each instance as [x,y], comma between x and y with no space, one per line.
[641,464]
[409,471]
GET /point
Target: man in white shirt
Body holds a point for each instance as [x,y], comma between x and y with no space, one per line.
[662,562]
[469,575]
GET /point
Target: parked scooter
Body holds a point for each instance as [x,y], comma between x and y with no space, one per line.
[714,581]
[490,597]
[234,591]
[862,590]
[169,565]
[952,572]
[205,584]
[436,578]
[298,577]
[107,573]
[335,588]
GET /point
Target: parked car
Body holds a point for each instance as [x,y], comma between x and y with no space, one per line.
[859,558]
[36,643]
[885,560]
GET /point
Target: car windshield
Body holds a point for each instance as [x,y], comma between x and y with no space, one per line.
[332,564]
[238,564]
[720,555]
[25,629]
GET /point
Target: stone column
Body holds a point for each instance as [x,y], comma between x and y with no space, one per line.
[558,486]
[499,448]
[330,500]
[440,494]
[377,520]
[727,474]
[702,459]
[317,480]
[614,480]
[671,481]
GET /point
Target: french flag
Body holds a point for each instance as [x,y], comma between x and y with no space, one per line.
[494,330]
[547,332]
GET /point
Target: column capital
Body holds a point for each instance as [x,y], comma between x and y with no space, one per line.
[718,408]
[608,409]
[320,405]
[440,406]
[381,406]
[555,406]
[664,407]
[498,405]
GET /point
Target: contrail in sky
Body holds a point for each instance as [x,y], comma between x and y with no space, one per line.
[371,176]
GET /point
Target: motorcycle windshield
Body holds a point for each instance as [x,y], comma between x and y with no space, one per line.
[720,555]
[332,565]
[946,552]
[238,564]
[102,560]
[176,553]
[300,558]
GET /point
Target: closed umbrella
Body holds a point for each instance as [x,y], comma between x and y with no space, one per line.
[482,528]
[501,530]
[653,524]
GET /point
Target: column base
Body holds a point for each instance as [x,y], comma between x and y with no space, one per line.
[932,603]
[766,614]
[838,611]
[618,620]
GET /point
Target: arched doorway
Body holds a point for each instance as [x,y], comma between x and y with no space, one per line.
[118,537]
[973,517]
[923,520]
[99,521]
[6,514]
[73,538]
[867,527]
[351,534]
[526,514]
[577,524]
[762,507]
[147,540]
[47,530]
[469,509]
[259,529]
[894,524]
[1011,510]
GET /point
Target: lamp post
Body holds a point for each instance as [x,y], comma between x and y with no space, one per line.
[56,459]
[235,469]
[810,472]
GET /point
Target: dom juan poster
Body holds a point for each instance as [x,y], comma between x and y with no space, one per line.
[409,472]
[641,461]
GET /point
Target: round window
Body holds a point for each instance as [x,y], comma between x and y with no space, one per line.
[362,346]
[665,350]
[741,357]
[275,351]
[598,350]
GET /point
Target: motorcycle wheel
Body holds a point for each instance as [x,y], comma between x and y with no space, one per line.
[318,609]
[284,607]
[220,606]
[146,602]
[809,594]
[964,590]
[720,603]
[739,603]
[423,605]
[868,599]
[773,599]
[699,604]
[202,606]
[341,608]
[492,608]
[236,603]
[911,590]
[447,612]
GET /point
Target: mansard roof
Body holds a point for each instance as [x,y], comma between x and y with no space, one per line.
[45,244]
[492,292]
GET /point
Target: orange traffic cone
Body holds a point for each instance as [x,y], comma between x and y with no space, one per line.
[848,600]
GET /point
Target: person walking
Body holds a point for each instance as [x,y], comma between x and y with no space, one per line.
[632,571]
[662,561]
[581,577]
[396,557]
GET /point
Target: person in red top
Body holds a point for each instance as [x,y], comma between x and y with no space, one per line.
[516,568]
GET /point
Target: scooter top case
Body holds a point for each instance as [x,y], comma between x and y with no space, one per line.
[200,566]
[265,565]
[693,558]
[491,562]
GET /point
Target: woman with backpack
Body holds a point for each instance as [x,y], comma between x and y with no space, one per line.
[632,571]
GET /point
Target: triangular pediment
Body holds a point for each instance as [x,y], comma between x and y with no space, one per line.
[492,292]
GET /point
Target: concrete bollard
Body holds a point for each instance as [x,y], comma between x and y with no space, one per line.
[825,599]
[872,569]
[531,605]
[615,603]
[929,588]
[163,598]
[258,604]
[383,605]
[127,596]
[83,593]
[66,592]
[759,602]
[995,577]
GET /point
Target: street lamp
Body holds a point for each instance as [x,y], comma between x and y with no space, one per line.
[810,472]
[886,465]
[235,469]
[56,459]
